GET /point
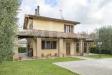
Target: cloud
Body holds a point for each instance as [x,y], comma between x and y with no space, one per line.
[51,2]
[91,13]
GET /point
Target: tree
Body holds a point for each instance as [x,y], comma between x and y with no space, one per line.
[105,36]
[8,12]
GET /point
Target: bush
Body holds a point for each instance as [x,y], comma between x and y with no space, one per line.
[96,50]
[106,51]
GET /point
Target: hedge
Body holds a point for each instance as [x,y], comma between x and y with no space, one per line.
[96,50]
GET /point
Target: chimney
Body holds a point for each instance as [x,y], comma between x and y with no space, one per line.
[37,11]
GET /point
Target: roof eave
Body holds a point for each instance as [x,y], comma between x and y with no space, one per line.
[52,19]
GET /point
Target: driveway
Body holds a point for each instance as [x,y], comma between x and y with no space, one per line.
[89,67]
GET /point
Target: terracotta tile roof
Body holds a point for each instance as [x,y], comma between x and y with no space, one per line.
[52,19]
[27,17]
[44,33]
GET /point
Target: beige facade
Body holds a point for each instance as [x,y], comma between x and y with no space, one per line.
[50,46]
[60,50]
[48,25]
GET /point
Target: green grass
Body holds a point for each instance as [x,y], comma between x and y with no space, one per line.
[100,56]
[36,67]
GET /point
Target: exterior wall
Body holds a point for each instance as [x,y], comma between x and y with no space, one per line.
[72,46]
[39,47]
[72,49]
[34,45]
[59,51]
[39,52]
[49,52]
[81,47]
[75,53]
[30,22]
[48,25]
[61,48]
[64,49]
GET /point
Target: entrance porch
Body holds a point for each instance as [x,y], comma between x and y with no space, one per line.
[51,44]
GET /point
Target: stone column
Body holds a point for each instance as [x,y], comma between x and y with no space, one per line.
[72,49]
[34,41]
[61,48]
[81,47]
[15,51]
[38,47]
[87,51]
[75,53]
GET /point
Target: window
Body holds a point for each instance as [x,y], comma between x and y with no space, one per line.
[85,47]
[31,24]
[77,47]
[22,50]
[48,44]
[68,28]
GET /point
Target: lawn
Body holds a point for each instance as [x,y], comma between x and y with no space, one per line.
[100,56]
[36,67]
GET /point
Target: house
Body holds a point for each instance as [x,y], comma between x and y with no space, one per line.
[50,37]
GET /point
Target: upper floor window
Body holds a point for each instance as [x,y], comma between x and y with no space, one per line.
[68,28]
[31,24]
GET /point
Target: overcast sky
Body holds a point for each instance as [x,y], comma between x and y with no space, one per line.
[91,13]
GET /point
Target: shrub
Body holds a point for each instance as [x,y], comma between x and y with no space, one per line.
[101,51]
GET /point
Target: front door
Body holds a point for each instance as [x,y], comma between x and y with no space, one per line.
[67,48]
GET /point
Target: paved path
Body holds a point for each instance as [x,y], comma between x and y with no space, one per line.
[89,67]
[82,57]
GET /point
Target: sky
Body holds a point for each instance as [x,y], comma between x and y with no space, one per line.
[92,14]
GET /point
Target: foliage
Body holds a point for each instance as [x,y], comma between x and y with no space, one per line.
[105,36]
[8,11]
[101,51]
[94,50]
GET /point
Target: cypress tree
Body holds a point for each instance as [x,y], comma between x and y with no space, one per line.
[8,27]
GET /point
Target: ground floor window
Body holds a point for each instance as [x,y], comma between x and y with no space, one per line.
[22,50]
[85,47]
[77,47]
[49,44]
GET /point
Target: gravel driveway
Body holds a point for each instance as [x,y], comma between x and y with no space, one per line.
[89,67]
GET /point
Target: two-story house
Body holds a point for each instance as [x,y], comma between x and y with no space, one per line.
[48,37]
